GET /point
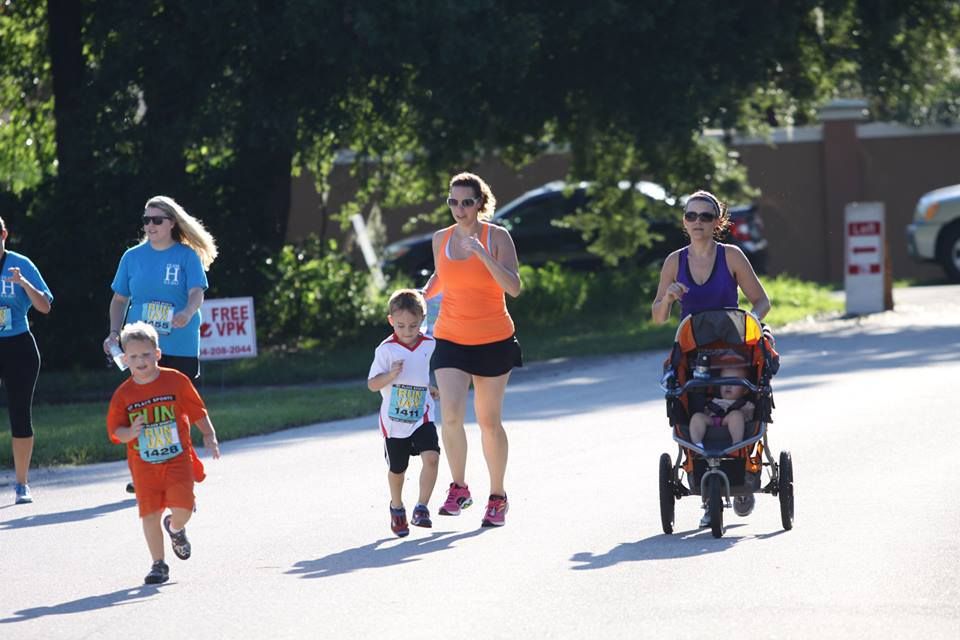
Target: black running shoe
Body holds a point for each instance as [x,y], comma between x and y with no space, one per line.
[178,540]
[159,573]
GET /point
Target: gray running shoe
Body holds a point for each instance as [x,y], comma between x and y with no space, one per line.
[22,494]
[743,505]
[178,540]
[159,573]
[705,520]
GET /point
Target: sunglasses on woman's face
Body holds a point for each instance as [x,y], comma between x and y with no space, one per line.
[154,220]
[703,216]
[466,203]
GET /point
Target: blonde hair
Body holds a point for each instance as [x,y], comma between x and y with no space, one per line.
[139,330]
[720,208]
[488,203]
[407,300]
[187,229]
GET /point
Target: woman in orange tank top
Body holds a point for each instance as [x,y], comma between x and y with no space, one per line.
[476,264]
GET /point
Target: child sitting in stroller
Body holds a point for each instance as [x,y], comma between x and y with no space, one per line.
[730,410]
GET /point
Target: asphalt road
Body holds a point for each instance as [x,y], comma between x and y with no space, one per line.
[292,539]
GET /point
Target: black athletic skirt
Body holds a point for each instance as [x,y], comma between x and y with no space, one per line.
[488,360]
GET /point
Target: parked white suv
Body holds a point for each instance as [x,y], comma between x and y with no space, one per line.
[934,234]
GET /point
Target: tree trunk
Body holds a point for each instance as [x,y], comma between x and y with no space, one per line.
[65,19]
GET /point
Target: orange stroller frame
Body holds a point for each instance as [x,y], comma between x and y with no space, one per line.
[721,469]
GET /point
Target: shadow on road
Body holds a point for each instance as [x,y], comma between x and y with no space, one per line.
[373,556]
[683,544]
[90,603]
[877,348]
[62,517]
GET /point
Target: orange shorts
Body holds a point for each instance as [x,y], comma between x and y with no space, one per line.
[166,484]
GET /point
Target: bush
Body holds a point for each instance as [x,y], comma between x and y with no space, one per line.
[318,295]
[551,293]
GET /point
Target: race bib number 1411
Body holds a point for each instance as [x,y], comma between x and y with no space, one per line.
[407,403]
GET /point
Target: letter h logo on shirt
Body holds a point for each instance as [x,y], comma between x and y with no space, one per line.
[7,289]
[172,275]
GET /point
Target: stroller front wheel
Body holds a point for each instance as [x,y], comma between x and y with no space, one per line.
[715,506]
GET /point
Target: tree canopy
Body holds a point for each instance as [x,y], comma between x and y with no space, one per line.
[105,103]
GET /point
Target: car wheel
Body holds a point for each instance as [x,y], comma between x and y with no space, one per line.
[950,252]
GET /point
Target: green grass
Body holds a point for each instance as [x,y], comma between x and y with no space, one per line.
[793,300]
[278,389]
[76,433]
[271,367]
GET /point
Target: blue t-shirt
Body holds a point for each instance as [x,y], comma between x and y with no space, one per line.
[158,284]
[14,301]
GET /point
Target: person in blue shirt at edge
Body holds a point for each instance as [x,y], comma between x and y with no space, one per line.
[705,275]
[161,281]
[21,287]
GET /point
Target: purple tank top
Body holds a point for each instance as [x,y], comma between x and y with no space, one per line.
[719,291]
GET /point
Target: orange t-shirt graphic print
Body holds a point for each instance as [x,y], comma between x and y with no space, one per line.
[169,405]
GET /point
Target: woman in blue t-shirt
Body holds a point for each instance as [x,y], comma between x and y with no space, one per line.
[161,281]
[705,274]
[21,287]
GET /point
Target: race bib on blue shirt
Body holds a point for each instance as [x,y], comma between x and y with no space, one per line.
[159,315]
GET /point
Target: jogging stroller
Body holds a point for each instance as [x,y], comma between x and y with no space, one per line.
[719,469]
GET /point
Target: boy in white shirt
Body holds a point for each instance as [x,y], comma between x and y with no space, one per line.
[401,373]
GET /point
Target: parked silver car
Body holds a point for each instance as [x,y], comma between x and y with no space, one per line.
[934,234]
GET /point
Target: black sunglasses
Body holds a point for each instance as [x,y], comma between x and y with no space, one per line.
[703,216]
[154,220]
[466,202]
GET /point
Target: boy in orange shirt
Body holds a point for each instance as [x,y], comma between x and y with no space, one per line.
[152,412]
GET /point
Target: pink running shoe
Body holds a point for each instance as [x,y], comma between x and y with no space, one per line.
[457,498]
[496,513]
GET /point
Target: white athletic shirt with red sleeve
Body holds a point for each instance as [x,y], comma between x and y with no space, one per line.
[406,403]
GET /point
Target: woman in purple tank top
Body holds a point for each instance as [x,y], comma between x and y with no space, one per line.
[705,274]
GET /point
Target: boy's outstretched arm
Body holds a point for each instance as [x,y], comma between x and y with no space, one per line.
[209,436]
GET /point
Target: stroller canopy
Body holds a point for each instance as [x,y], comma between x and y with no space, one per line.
[730,326]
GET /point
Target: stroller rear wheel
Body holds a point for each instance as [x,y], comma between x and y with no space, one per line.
[715,497]
[667,498]
[785,486]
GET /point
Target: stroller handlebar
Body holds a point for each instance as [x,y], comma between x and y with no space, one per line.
[702,383]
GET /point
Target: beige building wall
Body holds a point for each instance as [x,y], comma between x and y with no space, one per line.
[791,205]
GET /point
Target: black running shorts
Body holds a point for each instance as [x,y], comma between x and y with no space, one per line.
[488,360]
[397,451]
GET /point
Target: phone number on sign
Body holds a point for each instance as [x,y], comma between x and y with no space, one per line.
[225,351]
